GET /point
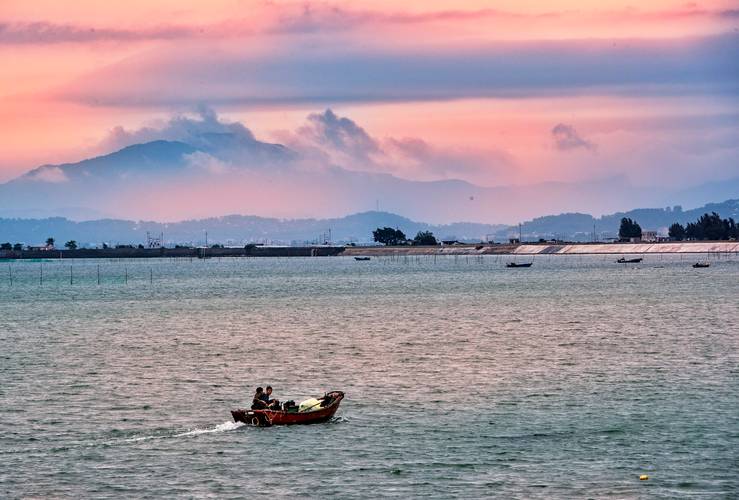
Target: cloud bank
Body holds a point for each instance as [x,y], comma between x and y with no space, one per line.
[44,32]
[327,73]
[331,139]
[322,18]
[181,127]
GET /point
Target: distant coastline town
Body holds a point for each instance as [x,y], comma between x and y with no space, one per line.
[707,228]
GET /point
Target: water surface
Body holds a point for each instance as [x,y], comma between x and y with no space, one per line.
[463,378]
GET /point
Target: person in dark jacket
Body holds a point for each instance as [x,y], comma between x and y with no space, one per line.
[260,400]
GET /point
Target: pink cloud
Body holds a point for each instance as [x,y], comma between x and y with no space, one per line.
[43,32]
[331,18]
[327,138]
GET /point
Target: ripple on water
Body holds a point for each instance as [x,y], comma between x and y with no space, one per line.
[462,379]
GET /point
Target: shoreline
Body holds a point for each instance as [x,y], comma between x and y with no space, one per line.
[153,253]
[698,247]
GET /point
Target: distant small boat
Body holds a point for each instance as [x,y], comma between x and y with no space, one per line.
[361,258]
[629,261]
[513,264]
[702,264]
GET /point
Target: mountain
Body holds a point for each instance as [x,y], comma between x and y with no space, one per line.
[232,229]
[213,173]
[242,229]
[205,168]
[153,158]
[117,182]
[578,226]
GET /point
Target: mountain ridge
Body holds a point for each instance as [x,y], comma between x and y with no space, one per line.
[241,229]
[580,226]
[228,170]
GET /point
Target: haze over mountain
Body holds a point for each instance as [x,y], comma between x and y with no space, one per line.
[580,227]
[240,229]
[232,229]
[196,167]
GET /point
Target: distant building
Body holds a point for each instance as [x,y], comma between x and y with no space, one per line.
[41,248]
[649,236]
[514,241]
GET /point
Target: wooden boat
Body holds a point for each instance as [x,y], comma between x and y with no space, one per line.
[629,261]
[361,258]
[702,264]
[264,418]
[513,264]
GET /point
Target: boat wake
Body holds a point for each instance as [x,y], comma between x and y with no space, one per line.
[224,427]
[162,434]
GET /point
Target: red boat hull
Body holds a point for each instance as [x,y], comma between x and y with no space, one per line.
[266,418]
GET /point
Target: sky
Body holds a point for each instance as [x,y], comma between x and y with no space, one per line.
[506,93]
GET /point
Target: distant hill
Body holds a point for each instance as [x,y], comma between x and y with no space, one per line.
[225,169]
[231,229]
[579,227]
[242,229]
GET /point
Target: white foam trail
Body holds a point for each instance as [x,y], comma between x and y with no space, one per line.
[224,427]
[133,440]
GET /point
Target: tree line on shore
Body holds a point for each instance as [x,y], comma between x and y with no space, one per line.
[389,236]
[629,229]
[69,245]
[707,227]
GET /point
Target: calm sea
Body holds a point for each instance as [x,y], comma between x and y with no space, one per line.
[463,378]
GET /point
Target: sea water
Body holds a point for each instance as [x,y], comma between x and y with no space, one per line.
[463,378]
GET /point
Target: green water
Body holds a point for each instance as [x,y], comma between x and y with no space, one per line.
[463,378]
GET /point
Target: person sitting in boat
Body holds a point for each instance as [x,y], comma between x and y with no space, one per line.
[271,403]
[260,400]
